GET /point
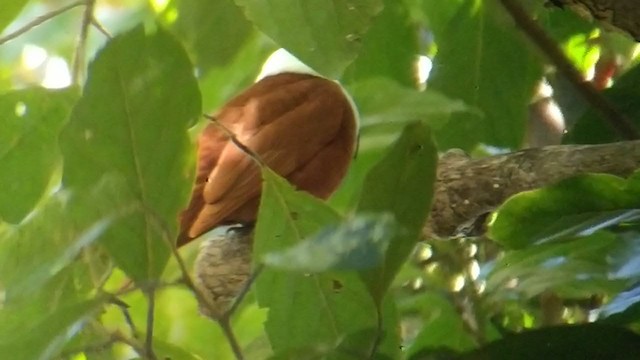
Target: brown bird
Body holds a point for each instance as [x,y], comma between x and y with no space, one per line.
[301,125]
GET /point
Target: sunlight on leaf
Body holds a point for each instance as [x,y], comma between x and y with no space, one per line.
[574,268]
[355,244]
[577,206]
[10,11]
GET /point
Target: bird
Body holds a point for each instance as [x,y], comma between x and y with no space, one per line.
[301,125]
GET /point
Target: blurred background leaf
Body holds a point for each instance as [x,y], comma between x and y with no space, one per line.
[31,120]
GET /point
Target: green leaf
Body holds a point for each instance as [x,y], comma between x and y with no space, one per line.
[10,10]
[50,240]
[30,120]
[586,341]
[327,306]
[439,14]
[214,31]
[579,205]
[383,102]
[591,128]
[392,29]
[132,120]
[28,333]
[356,244]
[400,184]
[576,268]
[325,34]
[484,61]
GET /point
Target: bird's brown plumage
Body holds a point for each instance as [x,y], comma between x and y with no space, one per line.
[302,126]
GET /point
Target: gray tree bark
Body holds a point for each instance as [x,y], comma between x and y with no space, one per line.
[465,190]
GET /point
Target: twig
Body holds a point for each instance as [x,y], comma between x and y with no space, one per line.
[227,330]
[245,289]
[80,53]
[124,308]
[222,320]
[96,24]
[235,141]
[614,118]
[39,20]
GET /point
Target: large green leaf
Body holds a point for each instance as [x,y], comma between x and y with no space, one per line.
[214,31]
[132,120]
[484,61]
[390,30]
[327,306]
[30,120]
[575,206]
[438,14]
[325,34]
[400,184]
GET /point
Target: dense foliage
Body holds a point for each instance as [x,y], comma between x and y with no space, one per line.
[97,159]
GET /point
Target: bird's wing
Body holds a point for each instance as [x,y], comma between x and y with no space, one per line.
[210,145]
[285,139]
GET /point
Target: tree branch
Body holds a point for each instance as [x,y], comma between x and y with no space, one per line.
[469,188]
[613,117]
[623,15]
